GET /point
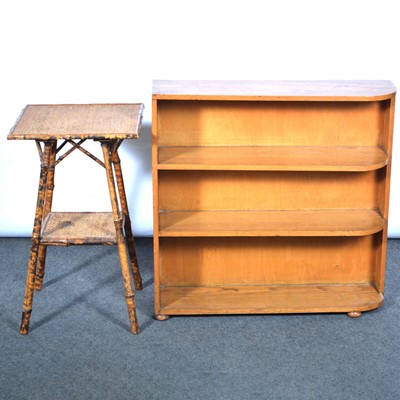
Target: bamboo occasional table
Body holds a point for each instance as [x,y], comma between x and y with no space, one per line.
[109,124]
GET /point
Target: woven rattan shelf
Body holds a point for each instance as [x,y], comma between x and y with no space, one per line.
[73,124]
[74,228]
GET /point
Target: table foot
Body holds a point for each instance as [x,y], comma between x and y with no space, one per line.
[24,329]
[38,282]
[133,321]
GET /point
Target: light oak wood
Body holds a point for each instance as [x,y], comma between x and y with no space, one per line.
[318,222]
[155,179]
[354,314]
[297,123]
[272,158]
[263,190]
[270,299]
[270,197]
[336,90]
[209,261]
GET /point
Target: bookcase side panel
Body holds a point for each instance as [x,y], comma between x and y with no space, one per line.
[155,182]
[388,110]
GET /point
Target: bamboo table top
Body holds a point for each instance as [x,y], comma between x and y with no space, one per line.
[78,121]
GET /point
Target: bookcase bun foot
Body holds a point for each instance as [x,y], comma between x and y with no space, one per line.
[161,317]
[354,314]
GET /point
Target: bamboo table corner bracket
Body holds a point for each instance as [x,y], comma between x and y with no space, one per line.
[110,125]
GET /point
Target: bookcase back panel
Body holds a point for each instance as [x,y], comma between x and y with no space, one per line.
[213,123]
[260,190]
[257,261]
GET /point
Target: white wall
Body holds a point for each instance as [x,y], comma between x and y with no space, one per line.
[80,51]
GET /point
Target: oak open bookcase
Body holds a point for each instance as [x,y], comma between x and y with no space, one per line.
[270,197]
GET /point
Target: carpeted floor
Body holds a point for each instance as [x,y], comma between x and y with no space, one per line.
[80,347]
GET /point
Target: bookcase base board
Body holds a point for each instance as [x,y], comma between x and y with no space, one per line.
[269,299]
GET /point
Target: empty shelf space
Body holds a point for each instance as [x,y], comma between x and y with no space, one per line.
[271,223]
[64,228]
[274,299]
[273,158]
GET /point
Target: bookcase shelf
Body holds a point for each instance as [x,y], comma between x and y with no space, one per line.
[273,299]
[270,223]
[270,197]
[272,158]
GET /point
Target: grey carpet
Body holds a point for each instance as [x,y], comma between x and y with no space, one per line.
[80,347]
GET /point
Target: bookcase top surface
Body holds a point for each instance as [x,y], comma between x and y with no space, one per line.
[318,90]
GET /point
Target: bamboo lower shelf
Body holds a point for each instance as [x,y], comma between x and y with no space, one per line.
[72,228]
[273,299]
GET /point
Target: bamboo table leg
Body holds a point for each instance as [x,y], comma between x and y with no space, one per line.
[109,148]
[35,242]
[128,227]
[48,200]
